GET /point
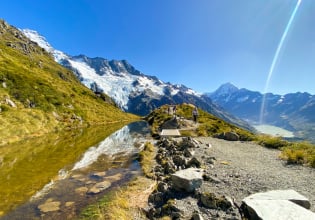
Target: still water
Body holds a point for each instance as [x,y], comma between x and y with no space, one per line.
[56,176]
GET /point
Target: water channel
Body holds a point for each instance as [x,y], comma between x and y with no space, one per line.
[57,176]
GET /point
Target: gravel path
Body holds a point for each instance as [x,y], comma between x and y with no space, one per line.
[243,168]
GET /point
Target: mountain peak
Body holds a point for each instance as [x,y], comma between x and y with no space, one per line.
[43,43]
[227,88]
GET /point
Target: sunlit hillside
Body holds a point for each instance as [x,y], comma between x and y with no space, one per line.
[37,95]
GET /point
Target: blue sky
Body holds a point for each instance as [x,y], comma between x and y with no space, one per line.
[199,43]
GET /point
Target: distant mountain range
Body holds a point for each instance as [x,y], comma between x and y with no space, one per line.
[131,90]
[293,111]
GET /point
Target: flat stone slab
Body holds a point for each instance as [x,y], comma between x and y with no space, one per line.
[278,205]
[277,210]
[170,132]
[187,180]
[289,195]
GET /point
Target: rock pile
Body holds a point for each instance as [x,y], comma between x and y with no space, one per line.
[180,176]
[192,184]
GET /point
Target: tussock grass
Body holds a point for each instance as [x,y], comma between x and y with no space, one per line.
[271,142]
[299,153]
[146,158]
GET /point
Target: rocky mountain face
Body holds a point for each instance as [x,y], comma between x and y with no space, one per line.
[131,90]
[293,111]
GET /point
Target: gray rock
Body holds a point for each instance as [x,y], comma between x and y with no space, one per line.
[289,195]
[179,160]
[162,187]
[188,180]
[276,209]
[156,198]
[214,201]
[277,204]
[10,103]
[231,136]
[197,216]
[194,162]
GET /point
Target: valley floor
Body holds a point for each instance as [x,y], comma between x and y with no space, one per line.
[244,168]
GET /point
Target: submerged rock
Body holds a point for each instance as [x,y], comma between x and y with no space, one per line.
[99,187]
[49,206]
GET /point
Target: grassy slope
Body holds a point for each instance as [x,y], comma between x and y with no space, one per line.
[209,125]
[30,75]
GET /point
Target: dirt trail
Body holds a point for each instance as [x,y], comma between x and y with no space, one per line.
[243,168]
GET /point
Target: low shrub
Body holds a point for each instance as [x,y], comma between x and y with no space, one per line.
[299,153]
[272,142]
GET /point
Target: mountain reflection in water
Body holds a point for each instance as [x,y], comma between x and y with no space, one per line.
[109,163]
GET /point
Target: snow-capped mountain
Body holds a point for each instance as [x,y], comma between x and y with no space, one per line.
[118,79]
[130,89]
[293,111]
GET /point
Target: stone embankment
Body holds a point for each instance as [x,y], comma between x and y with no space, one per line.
[207,178]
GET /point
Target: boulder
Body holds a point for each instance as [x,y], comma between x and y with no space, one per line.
[187,180]
[277,204]
[276,209]
[231,136]
[289,195]
[194,162]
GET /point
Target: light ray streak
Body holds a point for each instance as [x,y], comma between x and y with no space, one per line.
[275,59]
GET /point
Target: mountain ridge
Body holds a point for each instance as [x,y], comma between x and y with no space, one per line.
[132,90]
[292,111]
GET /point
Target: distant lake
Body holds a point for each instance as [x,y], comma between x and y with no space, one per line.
[274,130]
